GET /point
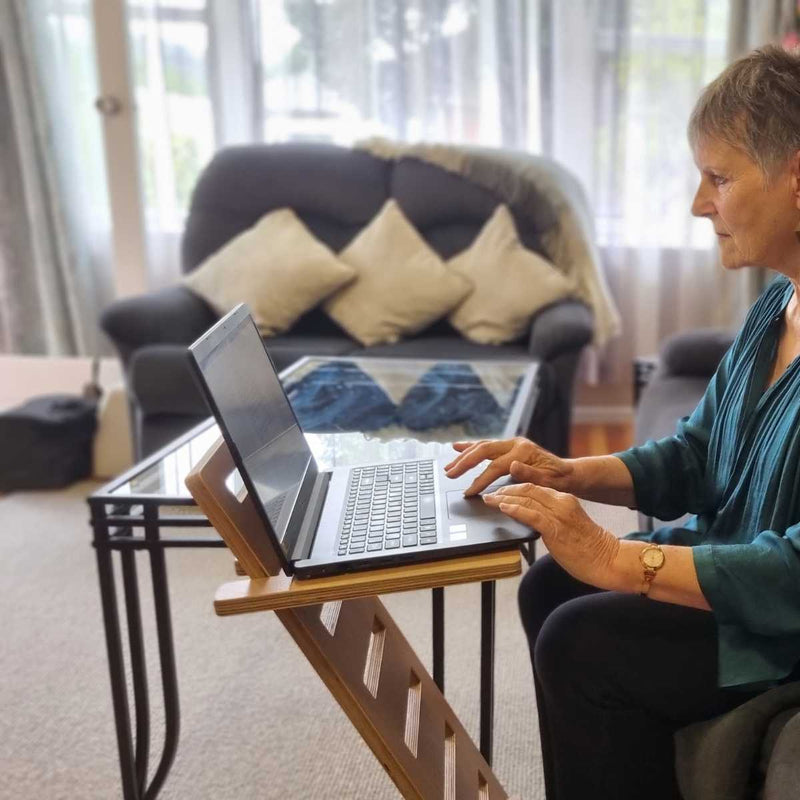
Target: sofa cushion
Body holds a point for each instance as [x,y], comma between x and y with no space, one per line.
[277,267]
[442,204]
[285,350]
[430,195]
[336,191]
[445,347]
[511,283]
[402,285]
[452,238]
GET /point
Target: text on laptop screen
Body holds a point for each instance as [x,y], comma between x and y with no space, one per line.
[259,420]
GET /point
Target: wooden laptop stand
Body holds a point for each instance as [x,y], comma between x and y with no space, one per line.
[355,646]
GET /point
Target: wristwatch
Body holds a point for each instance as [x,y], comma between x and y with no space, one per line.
[652,558]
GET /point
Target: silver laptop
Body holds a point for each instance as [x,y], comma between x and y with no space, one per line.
[349,518]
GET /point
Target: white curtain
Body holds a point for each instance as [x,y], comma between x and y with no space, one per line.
[604,86]
[55,243]
[210,73]
[620,80]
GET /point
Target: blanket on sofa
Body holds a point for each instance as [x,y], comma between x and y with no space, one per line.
[521,179]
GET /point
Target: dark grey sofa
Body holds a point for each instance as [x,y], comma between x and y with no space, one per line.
[753,751]
[335,191]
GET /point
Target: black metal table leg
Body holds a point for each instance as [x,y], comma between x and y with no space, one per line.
[116,665]
[487,668]
[166,651]
[437,631]
[138,666]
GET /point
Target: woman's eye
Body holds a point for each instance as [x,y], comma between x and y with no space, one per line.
[717,180]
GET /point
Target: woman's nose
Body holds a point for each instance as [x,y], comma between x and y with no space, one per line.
[701,205]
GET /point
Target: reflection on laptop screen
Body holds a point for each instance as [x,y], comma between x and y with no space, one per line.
[259,420]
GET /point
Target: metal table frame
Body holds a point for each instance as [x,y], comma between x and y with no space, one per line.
[128,524]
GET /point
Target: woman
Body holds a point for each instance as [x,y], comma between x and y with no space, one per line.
[632,639]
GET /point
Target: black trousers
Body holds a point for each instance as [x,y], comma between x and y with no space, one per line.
[616,675]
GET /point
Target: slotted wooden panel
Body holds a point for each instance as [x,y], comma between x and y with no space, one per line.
[358,650]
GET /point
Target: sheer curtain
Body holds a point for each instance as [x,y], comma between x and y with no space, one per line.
[215,72]
[55,245]
[621,79]
[603,86]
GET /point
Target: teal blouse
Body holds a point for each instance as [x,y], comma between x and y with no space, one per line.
[735,465]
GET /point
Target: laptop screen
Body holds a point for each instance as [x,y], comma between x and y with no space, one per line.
[254,412]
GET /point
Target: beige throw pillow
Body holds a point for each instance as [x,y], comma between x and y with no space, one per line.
[277,267]
[402,286]
[511,283]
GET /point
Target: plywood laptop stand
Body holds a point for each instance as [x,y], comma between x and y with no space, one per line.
[355,646]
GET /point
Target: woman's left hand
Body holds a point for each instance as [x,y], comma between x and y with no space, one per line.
[583,548]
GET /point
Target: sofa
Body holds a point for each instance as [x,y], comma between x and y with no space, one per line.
[753,751]
[336,191]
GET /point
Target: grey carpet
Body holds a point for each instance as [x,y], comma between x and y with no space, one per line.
[255,719]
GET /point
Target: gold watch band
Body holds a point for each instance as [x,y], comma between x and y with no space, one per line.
[652,558]
[649,576]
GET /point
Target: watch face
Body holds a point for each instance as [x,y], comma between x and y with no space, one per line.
[653,558]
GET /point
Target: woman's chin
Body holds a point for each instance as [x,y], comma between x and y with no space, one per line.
[733,266]
[731,263]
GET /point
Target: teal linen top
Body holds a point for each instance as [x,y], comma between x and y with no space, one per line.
[735,465]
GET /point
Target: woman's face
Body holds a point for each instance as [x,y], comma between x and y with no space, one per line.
[755,223]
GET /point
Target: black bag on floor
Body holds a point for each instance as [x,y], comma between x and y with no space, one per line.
[46,443]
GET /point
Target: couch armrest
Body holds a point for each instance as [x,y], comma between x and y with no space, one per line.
[783,773]
[173,315]
[694,353]
[161,379]
[559,328]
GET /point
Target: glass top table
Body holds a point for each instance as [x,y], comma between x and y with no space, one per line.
[354,410]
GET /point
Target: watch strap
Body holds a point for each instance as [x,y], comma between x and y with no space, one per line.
[649,571]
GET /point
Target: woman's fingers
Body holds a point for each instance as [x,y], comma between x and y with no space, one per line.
[473,456]
[539,498]
[486,478]
[532,517]
[462,447]
[544,495]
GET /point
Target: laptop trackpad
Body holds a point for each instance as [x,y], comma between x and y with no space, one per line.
[468,508]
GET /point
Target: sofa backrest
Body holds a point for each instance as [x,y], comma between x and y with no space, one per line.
[336,191]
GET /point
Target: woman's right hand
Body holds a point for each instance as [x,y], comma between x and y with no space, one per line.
[519,457]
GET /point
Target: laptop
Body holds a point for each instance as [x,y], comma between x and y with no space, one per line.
[325,522]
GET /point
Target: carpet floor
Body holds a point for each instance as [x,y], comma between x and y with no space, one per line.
[256,720]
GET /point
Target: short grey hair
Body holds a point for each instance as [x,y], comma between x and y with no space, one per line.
[754,105]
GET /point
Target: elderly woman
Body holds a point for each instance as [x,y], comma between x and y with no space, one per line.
[632,639]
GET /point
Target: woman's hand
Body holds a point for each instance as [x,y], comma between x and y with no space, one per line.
[519,457]
[575,541]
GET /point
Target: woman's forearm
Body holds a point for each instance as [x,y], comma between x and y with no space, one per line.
[676,582]
[604,479]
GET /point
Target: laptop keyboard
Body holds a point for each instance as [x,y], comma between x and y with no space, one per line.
[389,507]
